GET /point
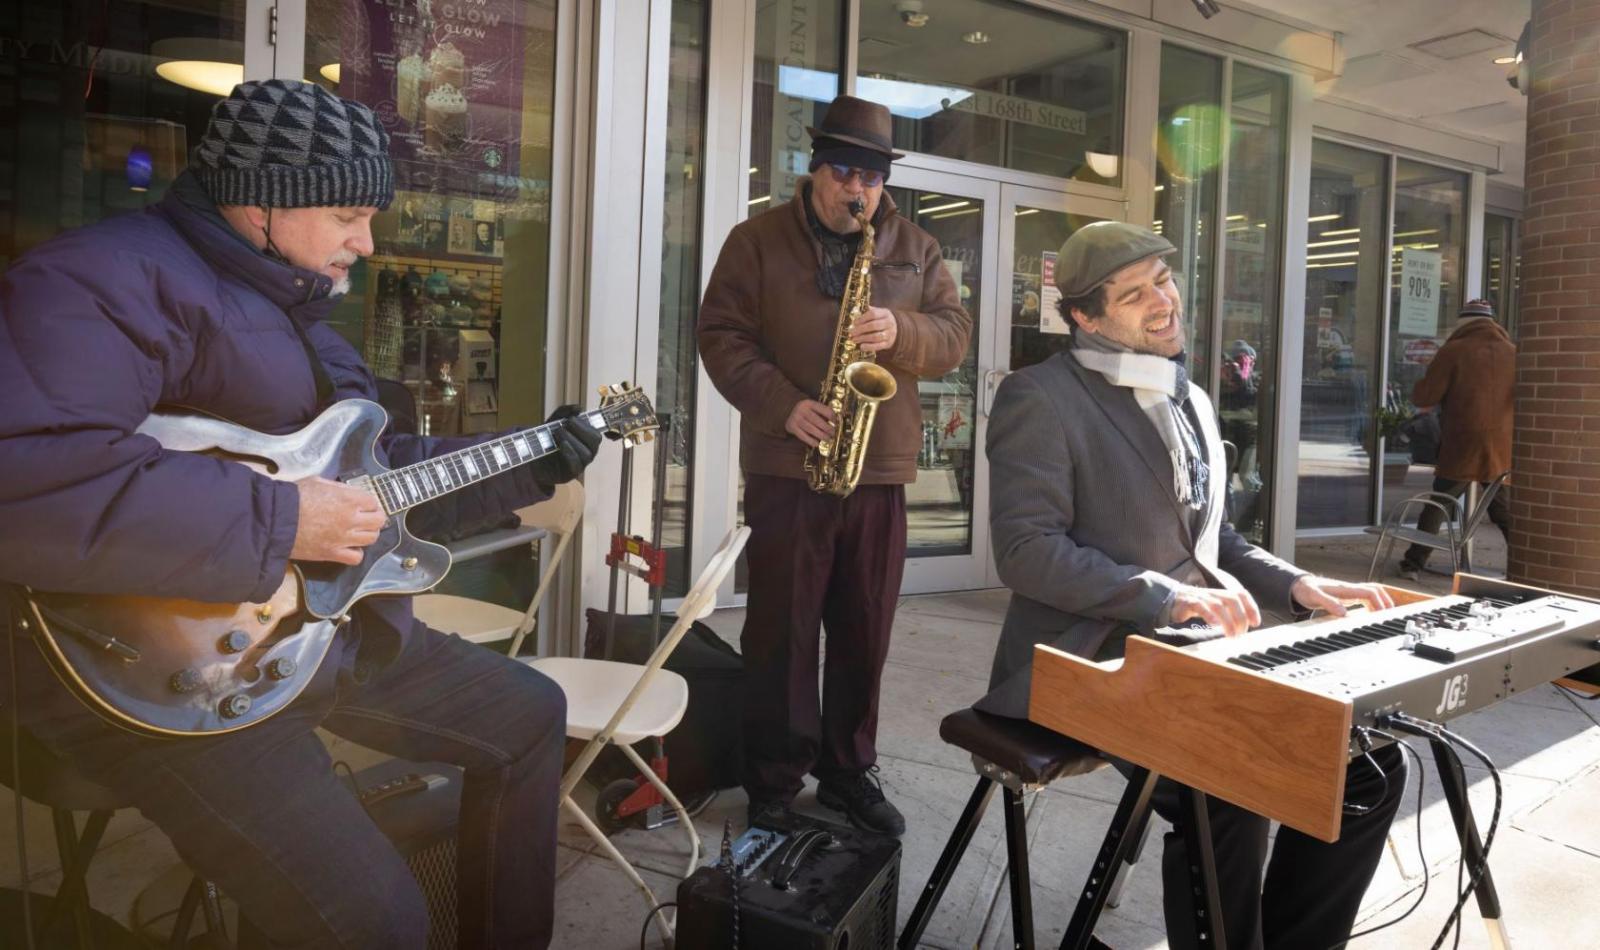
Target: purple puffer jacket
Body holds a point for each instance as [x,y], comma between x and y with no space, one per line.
[172,306]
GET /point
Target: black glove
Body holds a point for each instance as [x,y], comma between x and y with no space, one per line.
[575,448]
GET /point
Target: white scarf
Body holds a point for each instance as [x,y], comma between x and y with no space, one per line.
[1161,386]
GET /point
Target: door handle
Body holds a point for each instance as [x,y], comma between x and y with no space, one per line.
[991,383]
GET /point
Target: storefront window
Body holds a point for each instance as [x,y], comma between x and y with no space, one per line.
[455,296]
[1430,221]
[1345,286]
[1501,268]
[677,366]
[939,503]
[999,83]
[1188,146]
[93,129]
[1252,271]
[796,75]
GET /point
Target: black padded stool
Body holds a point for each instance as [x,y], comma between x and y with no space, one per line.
[1020,757]
[54,783]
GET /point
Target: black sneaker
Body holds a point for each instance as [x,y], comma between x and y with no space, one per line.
[860,797]
[1408,570]
[767,813]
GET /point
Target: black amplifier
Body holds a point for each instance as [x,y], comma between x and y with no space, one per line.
[802,884]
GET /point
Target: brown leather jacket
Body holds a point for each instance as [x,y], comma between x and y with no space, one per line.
[766,335]
[1473,380]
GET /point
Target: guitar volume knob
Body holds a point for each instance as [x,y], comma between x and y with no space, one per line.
[234,706]
[281,669]
[234,641]
[186,680]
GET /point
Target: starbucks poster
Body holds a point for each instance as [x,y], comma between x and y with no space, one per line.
[445,78]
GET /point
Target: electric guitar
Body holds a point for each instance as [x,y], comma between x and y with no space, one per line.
[171,667]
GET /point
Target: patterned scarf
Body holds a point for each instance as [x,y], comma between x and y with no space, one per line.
[1161,387]
[838,251]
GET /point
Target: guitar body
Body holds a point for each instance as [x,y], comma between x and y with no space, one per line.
[170,667]
[180,667]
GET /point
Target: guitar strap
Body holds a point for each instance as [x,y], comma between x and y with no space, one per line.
[318,372]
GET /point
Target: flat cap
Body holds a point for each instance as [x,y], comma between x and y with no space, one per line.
[1096,251]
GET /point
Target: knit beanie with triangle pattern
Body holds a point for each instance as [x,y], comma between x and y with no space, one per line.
[282,143]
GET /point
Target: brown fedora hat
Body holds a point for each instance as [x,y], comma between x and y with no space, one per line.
[857,122]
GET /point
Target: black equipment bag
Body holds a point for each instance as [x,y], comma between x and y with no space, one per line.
[704,751]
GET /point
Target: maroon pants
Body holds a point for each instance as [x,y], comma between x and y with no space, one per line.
[816,561]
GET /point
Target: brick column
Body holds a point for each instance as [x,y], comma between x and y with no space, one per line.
[1555,501]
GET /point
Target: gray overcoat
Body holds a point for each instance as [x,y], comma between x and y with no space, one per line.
[1087,530]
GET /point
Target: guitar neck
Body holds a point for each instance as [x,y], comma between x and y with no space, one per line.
[404,488]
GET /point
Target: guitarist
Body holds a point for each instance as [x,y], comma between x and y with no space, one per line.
[214,299]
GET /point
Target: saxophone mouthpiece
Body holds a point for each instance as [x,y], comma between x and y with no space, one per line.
[858,208]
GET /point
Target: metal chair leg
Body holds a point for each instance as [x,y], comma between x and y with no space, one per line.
[945,869]
[75,850]
[1017,863]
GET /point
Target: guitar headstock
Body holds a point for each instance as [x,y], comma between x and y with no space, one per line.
[628,414]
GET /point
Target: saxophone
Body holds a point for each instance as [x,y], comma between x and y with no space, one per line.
[853,385]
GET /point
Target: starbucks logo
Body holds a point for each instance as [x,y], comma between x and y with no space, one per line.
[492,157]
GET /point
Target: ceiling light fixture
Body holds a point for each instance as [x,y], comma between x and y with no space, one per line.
[1207,8]
[212,66]
[1102,164]
[976,37]
[911,13]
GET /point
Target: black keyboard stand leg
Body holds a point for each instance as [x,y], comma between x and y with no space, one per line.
[1208,929]
[1454,781]
[1122,837]
[943,871]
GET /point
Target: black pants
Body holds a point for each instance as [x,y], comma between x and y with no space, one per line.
[815,561]
[1309,894]
[1432,518]
[261,813]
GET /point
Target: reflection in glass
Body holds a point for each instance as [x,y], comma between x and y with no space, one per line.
[1501,271]
[1345,284]
[1188,152]
[1430,209]
[468,104]
[91,131]
[796,76]
[680,278]
[1000,83]
[1038,328]
[1252,267]
[939,502]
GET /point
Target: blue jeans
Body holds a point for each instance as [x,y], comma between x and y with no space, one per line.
[261,813]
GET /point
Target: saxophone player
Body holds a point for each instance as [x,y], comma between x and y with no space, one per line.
[766,336]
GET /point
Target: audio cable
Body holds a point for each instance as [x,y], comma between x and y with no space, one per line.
[1450,741]
[1422,776]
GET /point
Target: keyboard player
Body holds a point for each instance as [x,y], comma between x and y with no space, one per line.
[1106,510]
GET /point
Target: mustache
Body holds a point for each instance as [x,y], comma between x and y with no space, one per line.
[345,259]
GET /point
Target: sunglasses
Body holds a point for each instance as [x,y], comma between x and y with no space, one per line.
[843,173]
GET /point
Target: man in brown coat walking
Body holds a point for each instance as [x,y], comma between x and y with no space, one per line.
[1473,381]
[766,333]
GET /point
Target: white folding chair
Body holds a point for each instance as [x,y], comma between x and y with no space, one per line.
[610,703]
[482,622]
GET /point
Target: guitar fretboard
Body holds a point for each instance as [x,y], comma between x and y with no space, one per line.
[403,488]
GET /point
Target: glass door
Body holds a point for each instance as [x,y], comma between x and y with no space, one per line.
[1034,223]
[947,541]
